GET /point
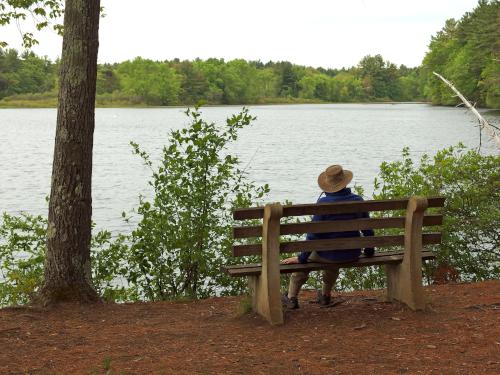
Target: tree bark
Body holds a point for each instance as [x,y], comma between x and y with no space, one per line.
[67,274]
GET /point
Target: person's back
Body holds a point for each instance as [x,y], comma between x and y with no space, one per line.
[343,195]
[333,181]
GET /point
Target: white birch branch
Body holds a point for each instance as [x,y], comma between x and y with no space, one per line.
[483,124]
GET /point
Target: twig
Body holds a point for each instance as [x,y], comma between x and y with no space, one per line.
[482,122]
[251,159]
[480,138]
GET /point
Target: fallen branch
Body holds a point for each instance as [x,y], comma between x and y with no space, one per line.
[483,124]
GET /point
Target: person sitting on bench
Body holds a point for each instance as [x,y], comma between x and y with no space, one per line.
[333,182]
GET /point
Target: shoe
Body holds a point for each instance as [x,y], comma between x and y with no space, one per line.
[322,299]
[336,301]
[289,303]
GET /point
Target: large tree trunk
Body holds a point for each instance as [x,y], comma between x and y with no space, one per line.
[67,264]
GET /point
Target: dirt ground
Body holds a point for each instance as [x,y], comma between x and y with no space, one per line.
[459,334]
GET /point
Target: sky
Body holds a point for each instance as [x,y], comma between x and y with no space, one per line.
[327,33]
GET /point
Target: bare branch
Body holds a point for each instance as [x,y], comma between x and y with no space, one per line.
[482,122]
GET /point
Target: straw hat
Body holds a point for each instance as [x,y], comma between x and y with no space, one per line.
[334,178]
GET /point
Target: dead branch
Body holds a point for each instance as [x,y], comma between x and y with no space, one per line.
[483,124]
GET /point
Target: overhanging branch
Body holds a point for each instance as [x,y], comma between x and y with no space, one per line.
[483,124]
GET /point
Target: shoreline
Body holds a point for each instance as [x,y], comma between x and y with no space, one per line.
[35,105]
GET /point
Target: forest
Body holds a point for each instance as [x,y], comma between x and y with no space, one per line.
[466,51]
[215,81]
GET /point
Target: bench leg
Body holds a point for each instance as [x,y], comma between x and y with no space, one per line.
[266,302]
[266,299]
[404,284]
[404,280]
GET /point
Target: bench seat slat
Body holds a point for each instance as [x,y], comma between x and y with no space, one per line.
[334,208]
[336,244]
[335,226]
[377,259]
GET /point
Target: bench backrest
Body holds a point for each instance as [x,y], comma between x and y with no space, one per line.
[272,214]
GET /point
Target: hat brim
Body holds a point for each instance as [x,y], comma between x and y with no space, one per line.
[328,187]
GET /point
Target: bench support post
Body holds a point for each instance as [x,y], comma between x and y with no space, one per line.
[404,280]
[265,288]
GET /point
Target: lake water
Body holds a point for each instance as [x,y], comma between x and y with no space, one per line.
[287,147]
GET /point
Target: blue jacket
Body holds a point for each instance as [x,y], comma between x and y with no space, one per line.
[338,255]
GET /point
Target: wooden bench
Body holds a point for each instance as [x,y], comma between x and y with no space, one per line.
[403,268]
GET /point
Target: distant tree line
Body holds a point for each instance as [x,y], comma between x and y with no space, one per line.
[466,51]
[215,81]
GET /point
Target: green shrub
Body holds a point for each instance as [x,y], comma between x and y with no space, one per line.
[109,266]
[184,234]
[22,252]
[22,244]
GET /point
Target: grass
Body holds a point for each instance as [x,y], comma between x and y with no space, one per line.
[106,102]
[106,365]
[118,100]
